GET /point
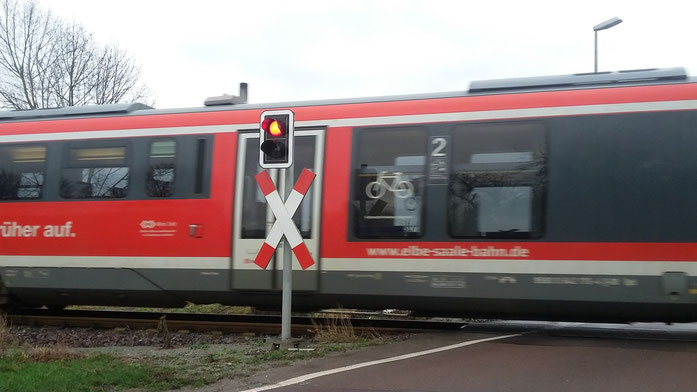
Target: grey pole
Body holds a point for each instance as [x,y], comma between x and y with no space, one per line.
[603,26]
[287,267]
[595,69]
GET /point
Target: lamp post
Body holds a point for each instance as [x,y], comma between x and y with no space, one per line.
[603,26]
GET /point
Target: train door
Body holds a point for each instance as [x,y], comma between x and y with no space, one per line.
[253,218]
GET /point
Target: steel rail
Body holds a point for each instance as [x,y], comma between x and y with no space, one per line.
[259,324]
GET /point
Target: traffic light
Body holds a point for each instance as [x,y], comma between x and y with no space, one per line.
[276,139]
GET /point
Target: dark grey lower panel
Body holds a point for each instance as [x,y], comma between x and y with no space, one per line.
[669,297]
[673,287]
[110,286]
[128,279]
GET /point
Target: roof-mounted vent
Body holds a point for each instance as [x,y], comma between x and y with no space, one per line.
[585,79]
[226,99]
[73,111]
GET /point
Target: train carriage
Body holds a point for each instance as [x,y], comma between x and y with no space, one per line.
[568,197]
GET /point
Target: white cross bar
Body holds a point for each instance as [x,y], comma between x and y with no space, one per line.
[284,224]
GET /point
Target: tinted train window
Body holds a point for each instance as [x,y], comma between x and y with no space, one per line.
[304,159]
[388,182]
[497,182]
[22,172]
[254,210]
[160,178]
[95,172]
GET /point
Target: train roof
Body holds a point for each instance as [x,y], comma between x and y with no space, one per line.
[639,77]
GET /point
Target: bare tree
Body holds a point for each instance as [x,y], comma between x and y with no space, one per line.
[26,49]
[72,71]
[47,63]
[117,78]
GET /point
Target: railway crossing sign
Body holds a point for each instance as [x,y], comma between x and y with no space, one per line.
[284,224]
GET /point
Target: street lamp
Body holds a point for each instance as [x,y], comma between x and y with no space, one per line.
[603,26]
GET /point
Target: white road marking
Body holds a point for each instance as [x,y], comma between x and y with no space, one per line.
[301,379]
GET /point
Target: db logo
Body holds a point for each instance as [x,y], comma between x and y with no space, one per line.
[147,224]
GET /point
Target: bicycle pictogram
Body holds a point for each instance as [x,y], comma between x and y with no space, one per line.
[401,188]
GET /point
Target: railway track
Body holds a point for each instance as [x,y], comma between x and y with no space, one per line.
[360,322]
[258,324]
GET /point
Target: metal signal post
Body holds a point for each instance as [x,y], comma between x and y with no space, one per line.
[285,227]
[276,141]
[287,295]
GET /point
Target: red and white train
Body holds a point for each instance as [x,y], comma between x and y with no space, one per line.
[552,197]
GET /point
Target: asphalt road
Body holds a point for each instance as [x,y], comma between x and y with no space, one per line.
[530,362]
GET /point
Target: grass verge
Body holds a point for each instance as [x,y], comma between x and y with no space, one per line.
[22,373]
[58,368]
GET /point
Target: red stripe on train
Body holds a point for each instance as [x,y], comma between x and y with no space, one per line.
[599,96]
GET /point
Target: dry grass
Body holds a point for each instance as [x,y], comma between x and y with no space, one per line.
[337,328]
[10,346]
[7,340]
[57,352]
[163,331]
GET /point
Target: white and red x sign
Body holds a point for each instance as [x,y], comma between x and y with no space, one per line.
[284,224]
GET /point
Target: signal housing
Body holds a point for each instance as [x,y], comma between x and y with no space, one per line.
[276,139]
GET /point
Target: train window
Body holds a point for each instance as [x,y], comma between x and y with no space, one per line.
[253,201]
[304,158]
[389,182]
[22,172]
[95,172]
[497,182]
[254,208]
[160,178]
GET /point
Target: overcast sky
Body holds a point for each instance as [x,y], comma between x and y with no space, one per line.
[300,50]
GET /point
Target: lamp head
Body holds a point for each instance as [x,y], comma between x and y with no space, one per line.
[607,24]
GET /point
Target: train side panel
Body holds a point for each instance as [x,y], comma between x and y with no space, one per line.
[163,238]
[580,214]
[556,204]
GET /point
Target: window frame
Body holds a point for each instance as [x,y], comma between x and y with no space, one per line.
[44,169]
[149,170]
[513,172]
[357,224]
[68,164]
